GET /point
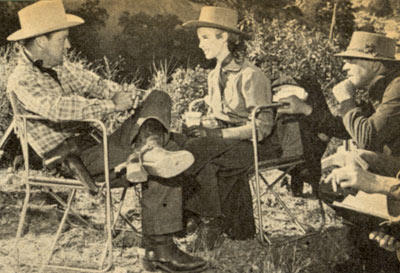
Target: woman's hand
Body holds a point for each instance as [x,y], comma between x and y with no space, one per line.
[200,131]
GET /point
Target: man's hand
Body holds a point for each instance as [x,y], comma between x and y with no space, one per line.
[385,241]
[354,177]
[296,106]
[123,101]
[357,178]
[344,90]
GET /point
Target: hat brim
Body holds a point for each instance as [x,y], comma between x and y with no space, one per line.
[196,24]
[361,55]
[72,21]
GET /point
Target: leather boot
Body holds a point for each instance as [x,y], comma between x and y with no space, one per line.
[157,161]
[209,234]
[162,253]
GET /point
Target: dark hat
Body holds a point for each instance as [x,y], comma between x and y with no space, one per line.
[373,46]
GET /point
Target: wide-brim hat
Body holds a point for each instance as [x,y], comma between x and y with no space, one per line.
[217,17]
[373,46]
[43,17]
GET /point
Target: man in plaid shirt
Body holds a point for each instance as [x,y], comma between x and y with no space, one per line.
[44,84]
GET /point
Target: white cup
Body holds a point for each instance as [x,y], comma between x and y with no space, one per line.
[192,118]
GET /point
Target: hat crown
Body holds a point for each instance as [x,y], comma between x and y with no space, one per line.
[42,15]
[219,16]
[369,45]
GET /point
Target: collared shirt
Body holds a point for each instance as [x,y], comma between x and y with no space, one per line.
[75,98]
[379,132]
[234,89]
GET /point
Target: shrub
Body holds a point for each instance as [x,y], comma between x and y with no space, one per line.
[85,38]
[7,64]
[184,86]
[147,39]
[291,48]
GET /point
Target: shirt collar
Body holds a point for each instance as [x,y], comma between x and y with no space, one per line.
[230,64]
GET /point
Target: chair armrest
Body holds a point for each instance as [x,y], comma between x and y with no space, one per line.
[99,123]
[257,110]
[194,102]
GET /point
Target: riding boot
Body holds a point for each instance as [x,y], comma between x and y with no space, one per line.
[162,253]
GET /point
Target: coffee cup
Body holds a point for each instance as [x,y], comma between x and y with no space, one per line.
[192,118]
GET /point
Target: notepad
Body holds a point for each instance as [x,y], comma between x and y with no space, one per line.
[372,204]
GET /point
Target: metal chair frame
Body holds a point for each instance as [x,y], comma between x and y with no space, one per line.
[20,126]
[286,163]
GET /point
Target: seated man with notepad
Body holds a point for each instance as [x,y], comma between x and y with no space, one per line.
[378,185]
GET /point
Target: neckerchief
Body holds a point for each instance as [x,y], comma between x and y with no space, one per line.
[39,64]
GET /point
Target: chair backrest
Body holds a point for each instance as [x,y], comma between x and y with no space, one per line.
[289,135]
[14,106]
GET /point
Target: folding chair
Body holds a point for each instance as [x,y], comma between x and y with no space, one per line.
[73,185]
[292,156]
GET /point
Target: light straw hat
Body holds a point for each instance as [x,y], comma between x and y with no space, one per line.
[43,17]
[216,17]
[373,46]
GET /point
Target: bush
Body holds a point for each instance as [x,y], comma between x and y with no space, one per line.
[291,48]
[147,39]
[7,63]
[184,86]
[85,38]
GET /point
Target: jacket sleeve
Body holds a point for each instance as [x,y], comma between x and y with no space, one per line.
[60,108]
[374,131]
[87,83]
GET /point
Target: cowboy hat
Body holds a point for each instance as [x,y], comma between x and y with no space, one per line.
[216,17]
[373,46]
[43,17]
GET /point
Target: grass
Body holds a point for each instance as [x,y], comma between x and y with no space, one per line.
[81,245]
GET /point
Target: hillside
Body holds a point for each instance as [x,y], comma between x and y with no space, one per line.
[183,9]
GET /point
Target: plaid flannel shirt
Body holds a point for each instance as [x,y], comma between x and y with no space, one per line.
[78,96]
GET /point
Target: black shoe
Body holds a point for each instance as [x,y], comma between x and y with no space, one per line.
[209,235]
[296,187]
[166,256]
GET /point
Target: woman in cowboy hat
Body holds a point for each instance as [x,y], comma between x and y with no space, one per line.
[221,144]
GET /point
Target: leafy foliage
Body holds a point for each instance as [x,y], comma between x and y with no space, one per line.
[9,21]
[85,38]
[7,64]
[146,39]
[184,86]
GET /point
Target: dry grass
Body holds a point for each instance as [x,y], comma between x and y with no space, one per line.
[80,245]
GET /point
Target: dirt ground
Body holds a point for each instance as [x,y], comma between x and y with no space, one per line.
[81,245]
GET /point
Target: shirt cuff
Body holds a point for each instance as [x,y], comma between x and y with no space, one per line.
[346,106]
[109,106]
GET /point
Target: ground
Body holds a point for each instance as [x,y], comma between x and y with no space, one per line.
[318,253]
